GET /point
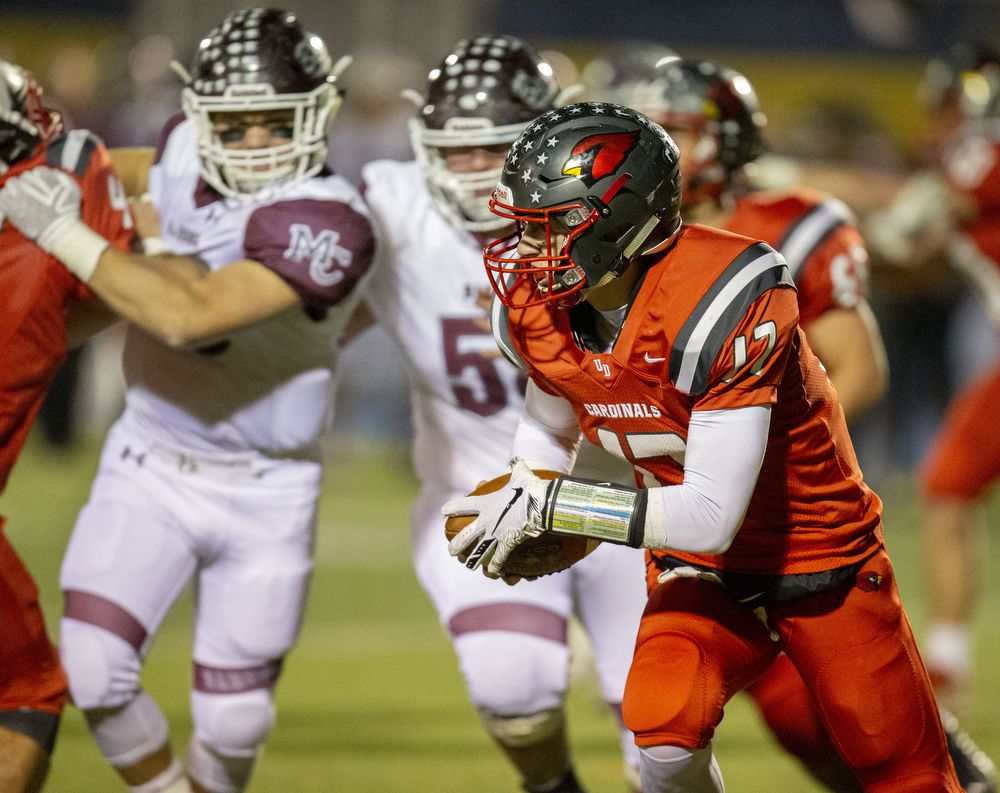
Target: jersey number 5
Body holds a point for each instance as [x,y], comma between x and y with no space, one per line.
[485,394]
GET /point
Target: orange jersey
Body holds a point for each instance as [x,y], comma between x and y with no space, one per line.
[36,289]
[714,325]
[817,236]
[971,165]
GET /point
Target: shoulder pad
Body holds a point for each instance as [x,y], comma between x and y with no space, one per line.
[72,151]
[501,333]
[699,341]
[808,232]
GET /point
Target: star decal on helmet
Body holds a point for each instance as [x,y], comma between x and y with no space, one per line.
[551,142]
[535,197]
[526,176]
[542,158]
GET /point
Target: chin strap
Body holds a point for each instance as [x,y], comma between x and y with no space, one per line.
[599,510]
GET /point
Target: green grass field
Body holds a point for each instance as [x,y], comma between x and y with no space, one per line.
[371,699]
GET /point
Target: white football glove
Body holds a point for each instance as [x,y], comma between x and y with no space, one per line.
[504,520]
[44,204]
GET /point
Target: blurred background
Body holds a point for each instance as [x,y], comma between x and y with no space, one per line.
[837,80]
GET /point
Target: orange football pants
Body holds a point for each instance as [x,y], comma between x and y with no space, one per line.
[965,456]
[698,646]
[30,673]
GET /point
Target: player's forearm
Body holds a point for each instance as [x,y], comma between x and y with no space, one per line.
[849,344]
[548,434]
[160,294]
[725,450]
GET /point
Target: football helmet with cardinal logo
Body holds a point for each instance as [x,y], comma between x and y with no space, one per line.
[260,61]
[483,94]
[720,107]
[25,123]
[599,179]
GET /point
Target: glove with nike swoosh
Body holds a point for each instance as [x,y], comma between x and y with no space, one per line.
[506,518]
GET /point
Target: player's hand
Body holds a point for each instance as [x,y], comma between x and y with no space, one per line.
[44,204]
[504,520]
[147,224]
[41,202]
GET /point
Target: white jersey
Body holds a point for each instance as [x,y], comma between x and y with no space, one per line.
[466,399]
[266,388]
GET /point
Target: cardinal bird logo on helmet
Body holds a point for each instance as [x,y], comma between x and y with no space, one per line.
[596,156]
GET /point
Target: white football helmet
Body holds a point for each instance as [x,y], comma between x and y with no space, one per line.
[483,94]
[259,60]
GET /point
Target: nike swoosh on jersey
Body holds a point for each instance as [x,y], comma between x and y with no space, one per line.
[651,359]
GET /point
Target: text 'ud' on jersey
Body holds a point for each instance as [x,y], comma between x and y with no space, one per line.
[267,387]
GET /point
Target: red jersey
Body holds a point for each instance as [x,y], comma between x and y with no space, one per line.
[36,289]
[970,163]
[714,325]
[817,236]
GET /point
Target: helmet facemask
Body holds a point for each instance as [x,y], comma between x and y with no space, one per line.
[553,274]
[250,171]
[482,95]
[25,123]
[462,197]
[261,61]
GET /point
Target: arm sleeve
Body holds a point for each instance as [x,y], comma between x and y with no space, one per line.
[725,449]
[548,435]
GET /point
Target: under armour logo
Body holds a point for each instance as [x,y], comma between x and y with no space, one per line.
[602,367]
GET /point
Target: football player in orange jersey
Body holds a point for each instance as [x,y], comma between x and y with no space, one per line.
[35,294]
[712,112]
[678,348]
[951,210]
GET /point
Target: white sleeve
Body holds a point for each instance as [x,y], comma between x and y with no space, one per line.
[548,434]
[725,449]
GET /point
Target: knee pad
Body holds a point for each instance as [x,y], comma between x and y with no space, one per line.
[216,772]
[103,669]
[523,732]
[234,725]
[512,674]
[127,734]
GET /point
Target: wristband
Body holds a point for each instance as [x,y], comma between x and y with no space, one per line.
[77,247]
[600,510]
[153,246]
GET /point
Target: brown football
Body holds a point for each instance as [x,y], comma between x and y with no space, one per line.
[536,556]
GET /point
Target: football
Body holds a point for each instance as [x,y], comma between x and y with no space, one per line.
[536,556]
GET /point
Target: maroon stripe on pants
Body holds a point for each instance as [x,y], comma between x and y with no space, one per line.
[93,609]
[212,680]
[514,617]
